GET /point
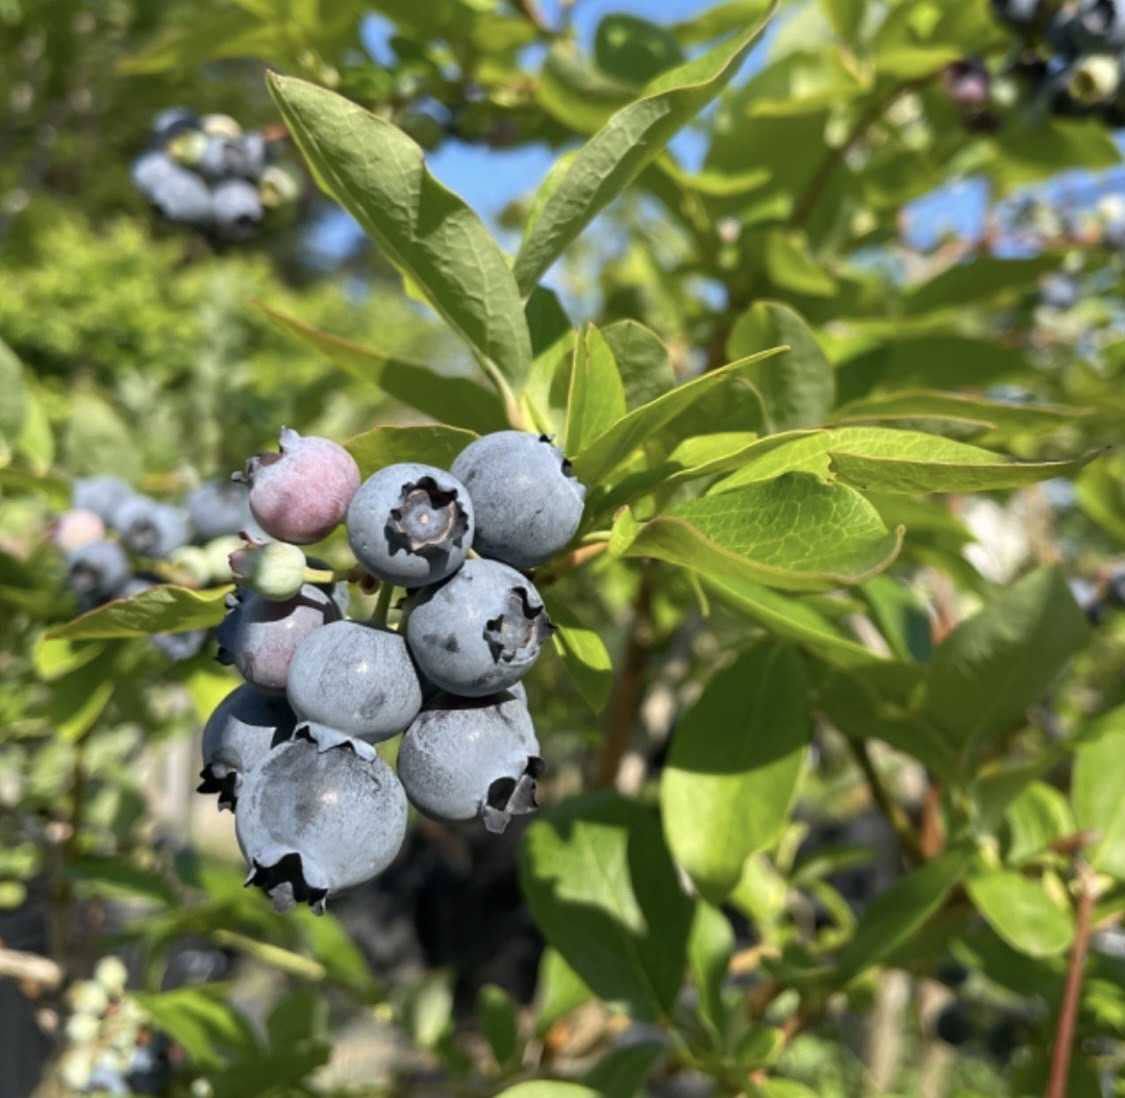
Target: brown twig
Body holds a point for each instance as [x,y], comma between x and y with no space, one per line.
[576,558]
[628,690]
[823,174]
[533,15]
[895,813]
[1068,1013]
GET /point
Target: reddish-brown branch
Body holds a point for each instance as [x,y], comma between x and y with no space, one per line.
[628,691]
[576,558]
[1068,1014]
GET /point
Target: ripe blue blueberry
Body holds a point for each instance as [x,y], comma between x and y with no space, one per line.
[180,195]
[259,636]
[411,524]
[96,572]
[236,209]
[173,120]
[528,504]
[480,631]
[317,817]
[357,678]
[102,495]
[301,493]
[218,508]
[469,757]
[151,528]
[238,736]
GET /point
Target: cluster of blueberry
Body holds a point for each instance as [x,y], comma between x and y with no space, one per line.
[1070,60]
[110,1047]
[207,173]
[291,751]
[155,541]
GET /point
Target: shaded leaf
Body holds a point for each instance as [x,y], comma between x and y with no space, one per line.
[382,446]
[733,766]
[799,386]
[604,892]
[596,400]
[453,400]
[1022,912]
[1096,790]
[583,653]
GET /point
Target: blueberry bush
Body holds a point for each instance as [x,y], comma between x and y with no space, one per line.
[665,636]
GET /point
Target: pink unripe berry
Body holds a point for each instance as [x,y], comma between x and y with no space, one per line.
[73,529]
[302,493]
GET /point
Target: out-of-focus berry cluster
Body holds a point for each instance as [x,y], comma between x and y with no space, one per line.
[207,173]
[118,542]
[110,1046]
[291,751]
[1067,58]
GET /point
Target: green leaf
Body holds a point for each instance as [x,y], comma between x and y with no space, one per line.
[634,50]
[791,619]
[77,699]
[794,532]
[298,1015]
[1036,818]
[541,1088]
[497,1016]
[383,446]
[604,892]
[607,451]
[546,319]
[978,283]
[1096,790]
[891,460]
[790,265]
[454,400]
[985,674]
[430,1008]
[846,17]
[616,155]
[464,24]
[960,408]
[1101,495]
[379,175]
[160,609]
[734,764]
[13,407]
[782,1088]
[798,387]
[1022,912]
[558,990]
[901,616]
[202,1020]
[705,26]
[583,653]
[596,400]
[709,951]
[622,1072]
[897,914]
[642,361]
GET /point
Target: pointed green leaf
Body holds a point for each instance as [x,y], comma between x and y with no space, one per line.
[1096,790]
[379,175]
[202,1020]
[642,361]
[985,674]
[161,609]
[1022,912]
[611,448]
[790,265]
[454,400]
[900,911]
[382,446]
[543,1088]
[892,460]
[583,652]
[596,400]
[1036,818]
[735,760]
[604,892]
[794,532]
[621,1073]
[616,155]
[799,386]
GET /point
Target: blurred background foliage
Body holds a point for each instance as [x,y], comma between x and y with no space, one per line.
[142,350]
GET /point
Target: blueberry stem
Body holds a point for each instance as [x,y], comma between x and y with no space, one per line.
[329,575]
[383,604]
